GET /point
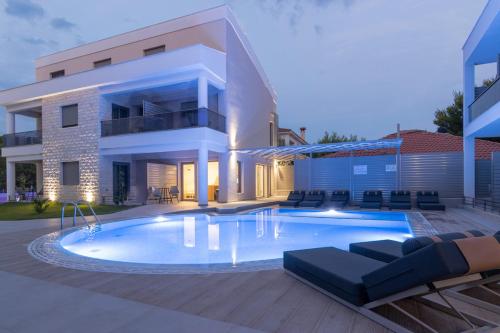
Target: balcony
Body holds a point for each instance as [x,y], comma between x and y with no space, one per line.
[22,139]
[485,101]
[165,121]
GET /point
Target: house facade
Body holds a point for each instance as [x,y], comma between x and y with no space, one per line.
[156,107]
[481,118]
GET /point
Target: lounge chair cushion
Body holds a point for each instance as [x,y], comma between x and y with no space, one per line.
[400,205]
[340,196]
[370,204]
[307,203]
[400,196]
[438,261]
[334,270]
[383,250]
[431,206]
[372,196]
[413,244]
[289,203]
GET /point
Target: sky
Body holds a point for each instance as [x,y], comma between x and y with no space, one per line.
[349,66]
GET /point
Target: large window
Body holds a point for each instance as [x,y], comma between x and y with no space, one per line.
[239,177]
[69,115]
[56,74]
[154,50]
[102,63]
[71,173]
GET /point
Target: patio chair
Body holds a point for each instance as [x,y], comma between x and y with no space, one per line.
[372,199]
[389,251]
[429,200]
[154,194]
[400,200]
[340,198]
[174,193]
[392,294]
[313,199]
[293,199]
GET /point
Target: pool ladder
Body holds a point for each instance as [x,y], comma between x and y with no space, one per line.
[75,209]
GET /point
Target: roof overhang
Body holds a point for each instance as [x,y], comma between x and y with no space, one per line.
[194,58]
[298,152]
[482,46]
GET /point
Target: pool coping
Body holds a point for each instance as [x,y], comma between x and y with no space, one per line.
[48,249]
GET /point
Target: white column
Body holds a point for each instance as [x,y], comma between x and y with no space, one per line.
[203,175]
[39,123]
[223,177]
[39,176]
[202,92]
[11,122]
[469,167]
[11,180]
[469,78]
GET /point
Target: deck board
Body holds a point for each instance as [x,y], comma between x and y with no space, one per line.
[270,301]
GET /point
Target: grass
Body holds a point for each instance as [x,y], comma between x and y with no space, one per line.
[25,211]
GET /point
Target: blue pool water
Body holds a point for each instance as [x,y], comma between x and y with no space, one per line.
[258,235]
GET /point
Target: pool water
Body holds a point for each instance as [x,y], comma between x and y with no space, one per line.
[257,235]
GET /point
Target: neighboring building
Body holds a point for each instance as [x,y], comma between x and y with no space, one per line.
[288,137]
[155,107]
[481,111]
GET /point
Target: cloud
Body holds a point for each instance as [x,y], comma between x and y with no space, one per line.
[318,29]
[39,41]
[24,9]
[61,23]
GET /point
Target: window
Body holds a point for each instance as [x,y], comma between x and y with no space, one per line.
[71,173]
[102,63]
[271,134]
[119,111]
[56,74]
[69,115]
[154,50]
[238,177]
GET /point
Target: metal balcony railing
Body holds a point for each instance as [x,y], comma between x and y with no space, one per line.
[22,138]
[165,121]
[486,100]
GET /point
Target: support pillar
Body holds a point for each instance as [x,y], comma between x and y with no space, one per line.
[202,175]
[39,176]
[39,123]
[11,180]
[223,177]
[11,122]
[469,167]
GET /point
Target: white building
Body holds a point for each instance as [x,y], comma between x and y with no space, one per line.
[481,111]
[159,106]
[288,137]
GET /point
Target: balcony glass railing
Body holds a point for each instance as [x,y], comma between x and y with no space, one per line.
[22,139]
[165,121]
[486,100]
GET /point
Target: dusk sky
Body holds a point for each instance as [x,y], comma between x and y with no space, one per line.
[350,66]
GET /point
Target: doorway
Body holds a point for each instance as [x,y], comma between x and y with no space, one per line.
[259,181]
[121,181]
[188,181]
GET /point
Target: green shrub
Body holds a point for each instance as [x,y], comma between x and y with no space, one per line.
[41,204]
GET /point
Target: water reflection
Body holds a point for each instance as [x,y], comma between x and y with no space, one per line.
[189,231]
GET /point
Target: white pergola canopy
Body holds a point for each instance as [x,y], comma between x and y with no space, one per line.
[298,152]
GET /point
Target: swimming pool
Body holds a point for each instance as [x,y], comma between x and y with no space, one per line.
[230,241]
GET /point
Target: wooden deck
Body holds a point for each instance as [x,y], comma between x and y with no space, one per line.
[270,301]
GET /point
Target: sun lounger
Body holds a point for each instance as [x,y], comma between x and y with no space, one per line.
[340,198]
[392,293]
[313,199]
[372,199]
[429,200]
[294,197]
[389,250]
[400,200]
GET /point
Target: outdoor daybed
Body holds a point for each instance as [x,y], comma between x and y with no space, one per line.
[429,200]
[340,198]
[372,199]
[400,200]
[294,197]
[392,293]
[313,199]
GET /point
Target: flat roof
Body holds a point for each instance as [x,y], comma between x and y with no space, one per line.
[297,152]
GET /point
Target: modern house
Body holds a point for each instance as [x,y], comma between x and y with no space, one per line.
[288,137]
[160,106]
[481,106]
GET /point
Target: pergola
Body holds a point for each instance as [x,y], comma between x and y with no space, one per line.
[287,153]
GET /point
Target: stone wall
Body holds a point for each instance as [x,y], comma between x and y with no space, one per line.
[79,143]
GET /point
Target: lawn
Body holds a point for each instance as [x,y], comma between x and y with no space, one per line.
[25,211]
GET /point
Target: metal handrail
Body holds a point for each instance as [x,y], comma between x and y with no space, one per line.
[485,204]
[75,209]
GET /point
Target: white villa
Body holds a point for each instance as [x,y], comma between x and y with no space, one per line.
[157,107]
[481,108]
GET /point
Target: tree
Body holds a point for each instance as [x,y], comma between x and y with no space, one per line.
[450,119]
[334,138]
